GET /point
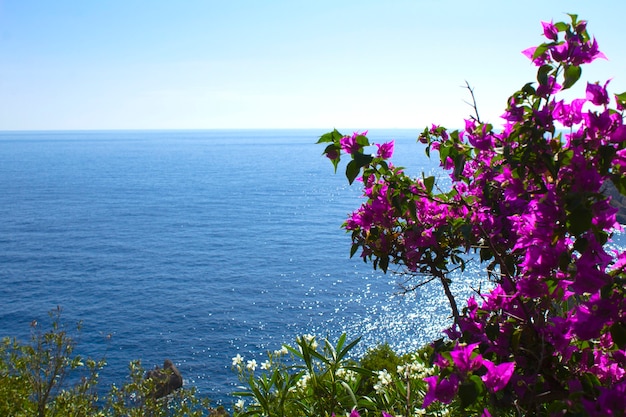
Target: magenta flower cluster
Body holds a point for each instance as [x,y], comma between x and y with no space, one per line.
[531,201]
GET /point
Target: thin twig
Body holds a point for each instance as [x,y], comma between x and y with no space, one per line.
[473,104]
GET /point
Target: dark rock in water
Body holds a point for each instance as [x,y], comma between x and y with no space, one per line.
[218,412]
[617,200]
[166,380]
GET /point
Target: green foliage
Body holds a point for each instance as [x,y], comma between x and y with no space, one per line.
[378,358]
[311,379]
[14,386]
[301,380]
[135,399]
[45,378]
[531,199]
[33,377]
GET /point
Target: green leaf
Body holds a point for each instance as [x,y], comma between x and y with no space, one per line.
[295,352]
[352,171]
[561,26]
[468,393]
[412,209]
[492,330]
[485,254]
[620,184]
[618,333]
[347,388]
[572,74]
[350,345]
[565,260]
[621,96]
[515,339]
[326,137]
[362,159]
[362,140]
[333,148]
[543,72]
[459,165]
[384,263]
[444,151]
[354,248]
[528,89]
[589,381]
[579,220]
[621,99]
[429,183]
[541,49]
[333,136]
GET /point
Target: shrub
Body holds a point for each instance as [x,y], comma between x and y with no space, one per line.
[46,378]
[529,200]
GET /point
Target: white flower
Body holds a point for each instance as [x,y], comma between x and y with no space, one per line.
[303,381]
[237,360]
[251,364]
[265,365]
[239,404]
[415,370]
[310,340]
[346,374]
[307,339]
[384,379]
[282,351]
[351,375]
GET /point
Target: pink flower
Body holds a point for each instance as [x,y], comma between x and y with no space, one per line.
[597,94]
[513,112]
[530,52]
[551,88]
[350,143]
[619,134]
[442,390]
[620,160]
[497,376]
[590,319]
[464,358]
[568,114]
[385,150]
[332,154]
[560,52]
[591,51]
[549,30]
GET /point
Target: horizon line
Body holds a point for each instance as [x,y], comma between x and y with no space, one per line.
[201,129]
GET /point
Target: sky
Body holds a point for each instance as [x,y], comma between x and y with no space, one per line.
[244,64]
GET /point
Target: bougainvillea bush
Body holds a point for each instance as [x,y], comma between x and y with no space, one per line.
[529,200]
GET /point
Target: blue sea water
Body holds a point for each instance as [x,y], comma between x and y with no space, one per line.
[195,246]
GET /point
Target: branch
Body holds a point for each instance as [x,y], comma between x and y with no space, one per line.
[473,103]
[451,299]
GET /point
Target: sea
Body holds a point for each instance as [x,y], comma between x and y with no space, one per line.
[197,246]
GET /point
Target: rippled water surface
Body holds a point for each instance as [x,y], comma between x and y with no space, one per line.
[195,246]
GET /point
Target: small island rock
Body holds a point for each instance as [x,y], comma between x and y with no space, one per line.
[166,380]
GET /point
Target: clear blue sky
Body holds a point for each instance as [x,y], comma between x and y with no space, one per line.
[193,64]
